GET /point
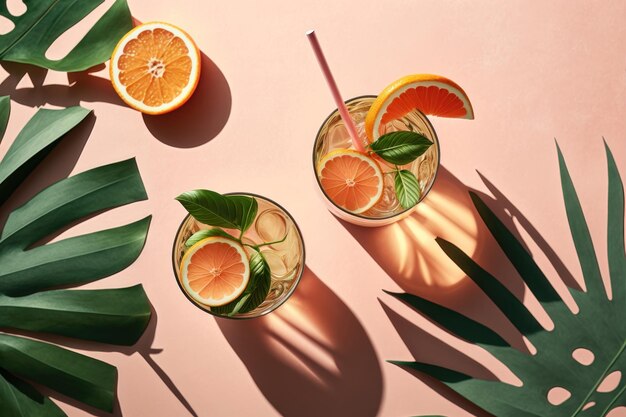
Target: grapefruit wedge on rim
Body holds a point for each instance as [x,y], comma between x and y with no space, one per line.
[351,180]
[215,271]
[433,95]
[155,68]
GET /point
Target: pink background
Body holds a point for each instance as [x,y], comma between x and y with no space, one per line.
[534,71]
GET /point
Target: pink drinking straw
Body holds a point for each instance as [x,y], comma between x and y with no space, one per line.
[341,106]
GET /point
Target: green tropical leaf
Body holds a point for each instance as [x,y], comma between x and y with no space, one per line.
[5,111]
[256,291]
[72,261]
[116,316]
[45,20]
[615,231]
[596,327]
[204,233]
[407,188]
[21,400]
[401,148]
[580,234]
[213,209]
[88,380]
[33,143]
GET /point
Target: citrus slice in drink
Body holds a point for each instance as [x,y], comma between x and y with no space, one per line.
[352,180]
[431,94]
[215,271]
[155,68]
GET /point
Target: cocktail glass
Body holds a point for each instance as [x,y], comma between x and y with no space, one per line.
[286,259]
[333,135]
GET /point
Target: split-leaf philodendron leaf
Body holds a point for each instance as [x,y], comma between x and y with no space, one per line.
[45,20]
[599,326]
[30,272]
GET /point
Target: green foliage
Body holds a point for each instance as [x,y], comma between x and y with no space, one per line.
[30,272]
[401,148]
[599,326]
[45,20]
[211,208]
[407,188]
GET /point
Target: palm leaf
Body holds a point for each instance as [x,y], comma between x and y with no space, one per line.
[30,273]
[598,326]
[45,20]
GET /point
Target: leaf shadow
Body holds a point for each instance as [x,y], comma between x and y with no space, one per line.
[425,347]
[195,123]
[201,118]
[310,357]
[506,210]
[408,253]
[82,86]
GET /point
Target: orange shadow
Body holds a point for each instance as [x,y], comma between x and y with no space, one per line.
[201,118]
[312,356]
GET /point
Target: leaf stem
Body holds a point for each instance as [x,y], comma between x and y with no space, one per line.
[274,242]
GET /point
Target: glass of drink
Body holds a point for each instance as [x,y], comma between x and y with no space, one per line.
[276,236]
[333,136]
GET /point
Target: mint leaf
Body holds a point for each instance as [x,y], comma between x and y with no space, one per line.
[246,208]
[213,209]
[407,188]
[256,291]
[203,234]
[401,148]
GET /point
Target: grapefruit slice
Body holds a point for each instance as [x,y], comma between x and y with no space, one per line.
[215,271]
[431,94]
[155,68]
[352,180]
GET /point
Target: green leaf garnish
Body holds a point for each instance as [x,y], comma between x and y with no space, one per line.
[45,20]
[407,188]
[401,148]
[203,234]
[256,291]
[213,209]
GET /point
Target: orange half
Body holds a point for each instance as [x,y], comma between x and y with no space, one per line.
[155,68]
[431,94]
[352,180]
[215,271]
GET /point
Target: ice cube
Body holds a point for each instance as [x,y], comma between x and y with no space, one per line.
[271,225]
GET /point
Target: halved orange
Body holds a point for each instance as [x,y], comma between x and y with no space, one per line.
[215,271]
[431,94]
[155,68]
[352,180]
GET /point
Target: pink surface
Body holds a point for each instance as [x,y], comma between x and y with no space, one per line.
[534,71]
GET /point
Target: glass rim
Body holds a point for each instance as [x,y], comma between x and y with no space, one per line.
[360,216]
[275,306]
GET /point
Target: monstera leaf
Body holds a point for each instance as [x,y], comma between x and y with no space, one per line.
[45,20]
[29,273]
[599,326]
